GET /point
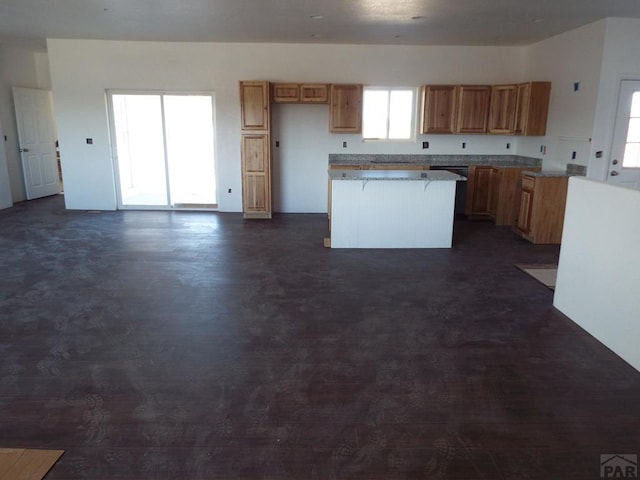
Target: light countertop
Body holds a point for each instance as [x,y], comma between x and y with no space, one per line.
[440,175]
[547,173]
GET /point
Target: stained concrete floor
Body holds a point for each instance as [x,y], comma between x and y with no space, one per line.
[159,345]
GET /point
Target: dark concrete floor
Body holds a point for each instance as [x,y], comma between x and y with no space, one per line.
[157,345]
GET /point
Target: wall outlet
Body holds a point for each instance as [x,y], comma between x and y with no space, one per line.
[89,141]
[277,143]
[573,155]
[344,144]
[425,144]
[229,191]
[508,145]
[464,144]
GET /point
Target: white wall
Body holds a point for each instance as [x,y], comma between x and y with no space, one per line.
[18,68]
[82,70]
[621,62]
[598,274]
[571,57]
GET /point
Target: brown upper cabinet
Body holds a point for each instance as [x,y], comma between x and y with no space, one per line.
[345,115]
[314,93]
[438,108]
[502,111]
[473,108]
[300,93]
[285,93]
[499,109]
[254,106]
[532,108]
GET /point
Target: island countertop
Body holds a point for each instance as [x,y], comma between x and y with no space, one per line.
[411,175]
[434,160]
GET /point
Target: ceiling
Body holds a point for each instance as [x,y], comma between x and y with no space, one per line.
[405,22]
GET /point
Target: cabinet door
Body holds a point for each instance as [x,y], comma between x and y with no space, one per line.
[254,105]
[478,188]
[502,112]
[494,191]
[314,93]
[346,109]
[438,108]
[285,93]
[523,223]
[256,175]
[522,108]
[473,108]
[532,108]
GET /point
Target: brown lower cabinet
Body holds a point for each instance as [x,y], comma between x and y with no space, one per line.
[256,176]
[541,210]
[493,192]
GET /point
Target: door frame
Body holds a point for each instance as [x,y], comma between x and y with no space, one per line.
[114,147]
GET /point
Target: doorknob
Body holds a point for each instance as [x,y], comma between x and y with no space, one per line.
[24,150]
[614,173]
[615,162]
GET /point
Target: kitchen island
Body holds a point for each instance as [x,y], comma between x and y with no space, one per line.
[392,208]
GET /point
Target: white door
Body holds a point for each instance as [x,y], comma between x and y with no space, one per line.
[624,168]
[37,137]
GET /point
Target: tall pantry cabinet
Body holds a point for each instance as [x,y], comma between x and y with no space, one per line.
[255,149]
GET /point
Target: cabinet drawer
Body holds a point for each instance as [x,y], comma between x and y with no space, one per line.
[528,182]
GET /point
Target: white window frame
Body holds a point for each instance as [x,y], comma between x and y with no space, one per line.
[412,137]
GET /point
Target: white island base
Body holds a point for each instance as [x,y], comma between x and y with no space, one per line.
[392,209]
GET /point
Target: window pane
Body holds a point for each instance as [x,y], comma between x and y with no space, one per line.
[190,149]
[376,104]
[631,155]
[633,134]
[635,104]
[140,149]
[400,114]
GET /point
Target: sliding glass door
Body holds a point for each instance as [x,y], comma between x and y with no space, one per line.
[164,145]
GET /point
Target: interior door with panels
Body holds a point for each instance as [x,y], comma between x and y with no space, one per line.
[37,136]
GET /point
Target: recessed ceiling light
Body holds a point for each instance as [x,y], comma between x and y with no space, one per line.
[538,20]
[398,36]
[316,17]
[417,17]
[315,35]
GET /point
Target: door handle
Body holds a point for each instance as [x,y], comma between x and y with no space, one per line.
[614,173]
[24,150]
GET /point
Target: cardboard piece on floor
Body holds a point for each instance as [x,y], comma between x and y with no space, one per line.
[26,464]
[544,273]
